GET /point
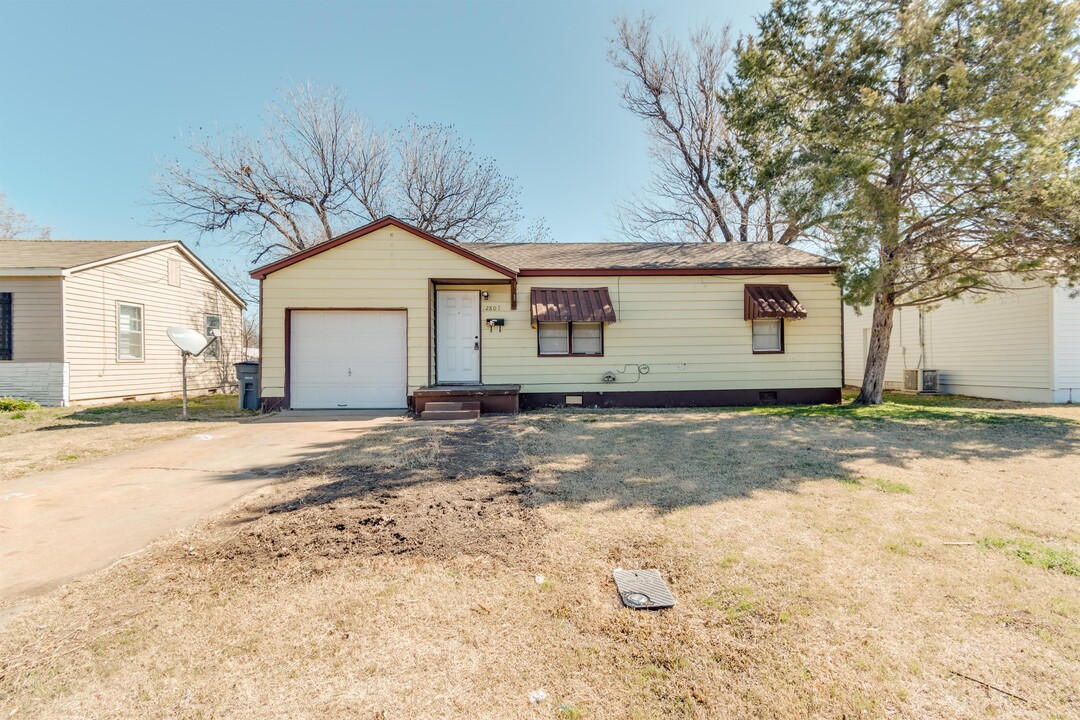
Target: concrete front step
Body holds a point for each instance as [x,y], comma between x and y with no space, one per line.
[450,414]
[444,406]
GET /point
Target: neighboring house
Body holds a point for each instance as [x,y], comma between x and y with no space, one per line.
[1023,344]
[387,316]
[85,320]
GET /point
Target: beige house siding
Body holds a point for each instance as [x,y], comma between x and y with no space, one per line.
[91,328]
[998,346]
[388,269]
[37,311]
[1066,345]
[689,330]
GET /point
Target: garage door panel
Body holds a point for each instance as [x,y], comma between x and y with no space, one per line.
[347,359]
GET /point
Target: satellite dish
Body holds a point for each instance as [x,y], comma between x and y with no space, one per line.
[190,343]
[187,339]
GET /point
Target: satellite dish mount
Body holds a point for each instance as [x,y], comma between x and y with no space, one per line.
[191,344]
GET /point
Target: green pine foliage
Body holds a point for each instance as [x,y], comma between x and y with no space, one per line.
[931,139]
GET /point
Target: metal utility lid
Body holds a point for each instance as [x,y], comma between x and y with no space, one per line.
[643,589]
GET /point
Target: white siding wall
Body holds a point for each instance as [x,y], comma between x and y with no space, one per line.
[46,383]
[996,347]
[1066,345]
[90,317]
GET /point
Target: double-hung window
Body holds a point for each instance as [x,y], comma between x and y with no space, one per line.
[768,335]
[213,322]
[571,338]
[129,332]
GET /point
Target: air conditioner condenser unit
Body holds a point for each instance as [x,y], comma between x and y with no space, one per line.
[922,380]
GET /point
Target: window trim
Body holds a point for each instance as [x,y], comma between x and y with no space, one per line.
[570,341]
[142,332]
[767,352]
[216,347]
[7,299]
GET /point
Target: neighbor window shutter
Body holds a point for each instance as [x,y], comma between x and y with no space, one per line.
[7,327]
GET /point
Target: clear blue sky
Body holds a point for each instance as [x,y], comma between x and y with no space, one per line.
[92,92]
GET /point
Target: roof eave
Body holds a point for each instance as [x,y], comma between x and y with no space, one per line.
[31,272]
[613,272]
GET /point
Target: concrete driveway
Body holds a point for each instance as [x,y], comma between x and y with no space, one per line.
[58,526]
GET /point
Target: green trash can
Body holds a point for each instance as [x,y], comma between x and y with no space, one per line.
[247,378]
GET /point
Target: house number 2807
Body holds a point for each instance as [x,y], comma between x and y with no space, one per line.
[489,308]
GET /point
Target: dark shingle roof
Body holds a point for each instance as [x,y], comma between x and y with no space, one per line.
[645,256]
[65,254]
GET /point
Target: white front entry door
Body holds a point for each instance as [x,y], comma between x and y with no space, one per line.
[457,336]
[347,359]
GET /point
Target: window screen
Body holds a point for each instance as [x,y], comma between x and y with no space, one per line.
[768,335]
[587,339]
[554,338]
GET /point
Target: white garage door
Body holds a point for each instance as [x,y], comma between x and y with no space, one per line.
[347,359]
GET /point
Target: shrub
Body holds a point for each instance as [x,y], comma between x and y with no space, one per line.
[10,404]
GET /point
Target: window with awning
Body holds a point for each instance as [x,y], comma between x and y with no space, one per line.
[766,307]
[570,321]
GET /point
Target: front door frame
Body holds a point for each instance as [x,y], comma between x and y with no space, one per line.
[479,340]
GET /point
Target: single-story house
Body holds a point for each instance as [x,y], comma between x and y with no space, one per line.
[388,316]
[1023,344]
[84,321]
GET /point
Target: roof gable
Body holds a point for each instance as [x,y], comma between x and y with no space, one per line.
[261,272]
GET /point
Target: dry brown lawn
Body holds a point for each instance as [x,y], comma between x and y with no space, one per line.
[48,438]
[397,578]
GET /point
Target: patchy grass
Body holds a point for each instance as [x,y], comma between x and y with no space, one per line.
[10,404]
[397,578]
[43,438]
[1035,553]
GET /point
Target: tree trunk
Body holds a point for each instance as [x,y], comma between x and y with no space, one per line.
[878,352]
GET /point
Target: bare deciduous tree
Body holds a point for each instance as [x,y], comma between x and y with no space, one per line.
[319,169]
[15,225]
[675,89]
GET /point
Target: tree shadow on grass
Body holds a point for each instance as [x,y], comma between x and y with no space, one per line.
[669,459]
[453,490]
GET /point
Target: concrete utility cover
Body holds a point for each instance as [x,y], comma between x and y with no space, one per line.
[643,589]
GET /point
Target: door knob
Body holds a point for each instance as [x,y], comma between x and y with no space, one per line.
[476,345]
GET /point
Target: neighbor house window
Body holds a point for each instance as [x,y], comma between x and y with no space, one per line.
[577,338]
[129,332]
[768,335]
[213,322]
[7,328]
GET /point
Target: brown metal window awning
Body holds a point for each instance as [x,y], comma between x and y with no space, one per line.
[572,305]
[771,301]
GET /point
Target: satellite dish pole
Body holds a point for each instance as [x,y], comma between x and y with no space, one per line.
[191,344]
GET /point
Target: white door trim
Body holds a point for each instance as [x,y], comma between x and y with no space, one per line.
[457,337]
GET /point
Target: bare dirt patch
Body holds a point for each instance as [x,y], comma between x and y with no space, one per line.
[470,496]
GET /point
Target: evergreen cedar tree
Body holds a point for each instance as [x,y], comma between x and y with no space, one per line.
[932,139]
